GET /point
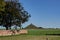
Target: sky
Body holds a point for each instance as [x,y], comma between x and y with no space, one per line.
[44,13]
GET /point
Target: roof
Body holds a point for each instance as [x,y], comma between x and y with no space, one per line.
[31,26]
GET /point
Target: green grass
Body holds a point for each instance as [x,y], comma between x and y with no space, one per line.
[43,31]
[29,37]
[35,34]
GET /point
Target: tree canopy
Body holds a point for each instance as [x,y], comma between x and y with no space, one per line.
[13,14]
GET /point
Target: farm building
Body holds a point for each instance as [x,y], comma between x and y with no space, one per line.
[32,26]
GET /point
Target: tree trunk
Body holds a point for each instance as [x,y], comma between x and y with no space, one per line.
[7,28]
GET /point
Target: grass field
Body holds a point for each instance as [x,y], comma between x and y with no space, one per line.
[37,34]
[43,31]
[30,37]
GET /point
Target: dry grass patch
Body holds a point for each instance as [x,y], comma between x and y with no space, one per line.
[30,37]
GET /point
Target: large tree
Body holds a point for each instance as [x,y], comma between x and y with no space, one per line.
[13,14]
[2,8]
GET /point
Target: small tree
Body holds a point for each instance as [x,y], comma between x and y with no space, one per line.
[13,14]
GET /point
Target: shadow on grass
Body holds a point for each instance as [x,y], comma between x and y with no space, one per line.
[54,34]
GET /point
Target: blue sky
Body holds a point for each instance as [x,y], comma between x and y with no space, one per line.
[44,13]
